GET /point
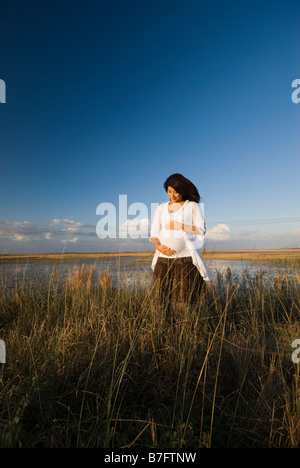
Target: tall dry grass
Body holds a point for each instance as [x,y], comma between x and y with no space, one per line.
[94,365]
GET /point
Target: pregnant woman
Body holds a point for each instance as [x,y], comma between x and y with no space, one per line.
[177,232]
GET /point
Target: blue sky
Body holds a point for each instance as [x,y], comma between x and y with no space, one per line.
[110,98]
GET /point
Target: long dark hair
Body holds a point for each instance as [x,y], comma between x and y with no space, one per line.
[183,186]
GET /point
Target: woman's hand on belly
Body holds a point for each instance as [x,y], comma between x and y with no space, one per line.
[165,250]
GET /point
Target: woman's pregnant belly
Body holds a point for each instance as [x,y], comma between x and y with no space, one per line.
[172,239]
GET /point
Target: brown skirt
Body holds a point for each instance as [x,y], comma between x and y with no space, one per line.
[177,280]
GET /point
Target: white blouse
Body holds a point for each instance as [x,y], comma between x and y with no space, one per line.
[184,243]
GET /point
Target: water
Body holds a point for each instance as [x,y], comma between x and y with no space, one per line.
[133,272]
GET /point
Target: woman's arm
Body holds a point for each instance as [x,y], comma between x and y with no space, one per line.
[175,225]
[198,218]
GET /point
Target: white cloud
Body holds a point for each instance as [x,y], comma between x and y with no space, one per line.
[17,230]
[70,229]
[66,221]
[48,235]
[73,241]
[219,232]
[135,228]
[20,238]
[19,223]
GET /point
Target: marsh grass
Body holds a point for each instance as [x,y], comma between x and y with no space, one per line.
[293,262]
[93,365]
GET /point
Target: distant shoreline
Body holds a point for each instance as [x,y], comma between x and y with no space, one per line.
[238,254]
